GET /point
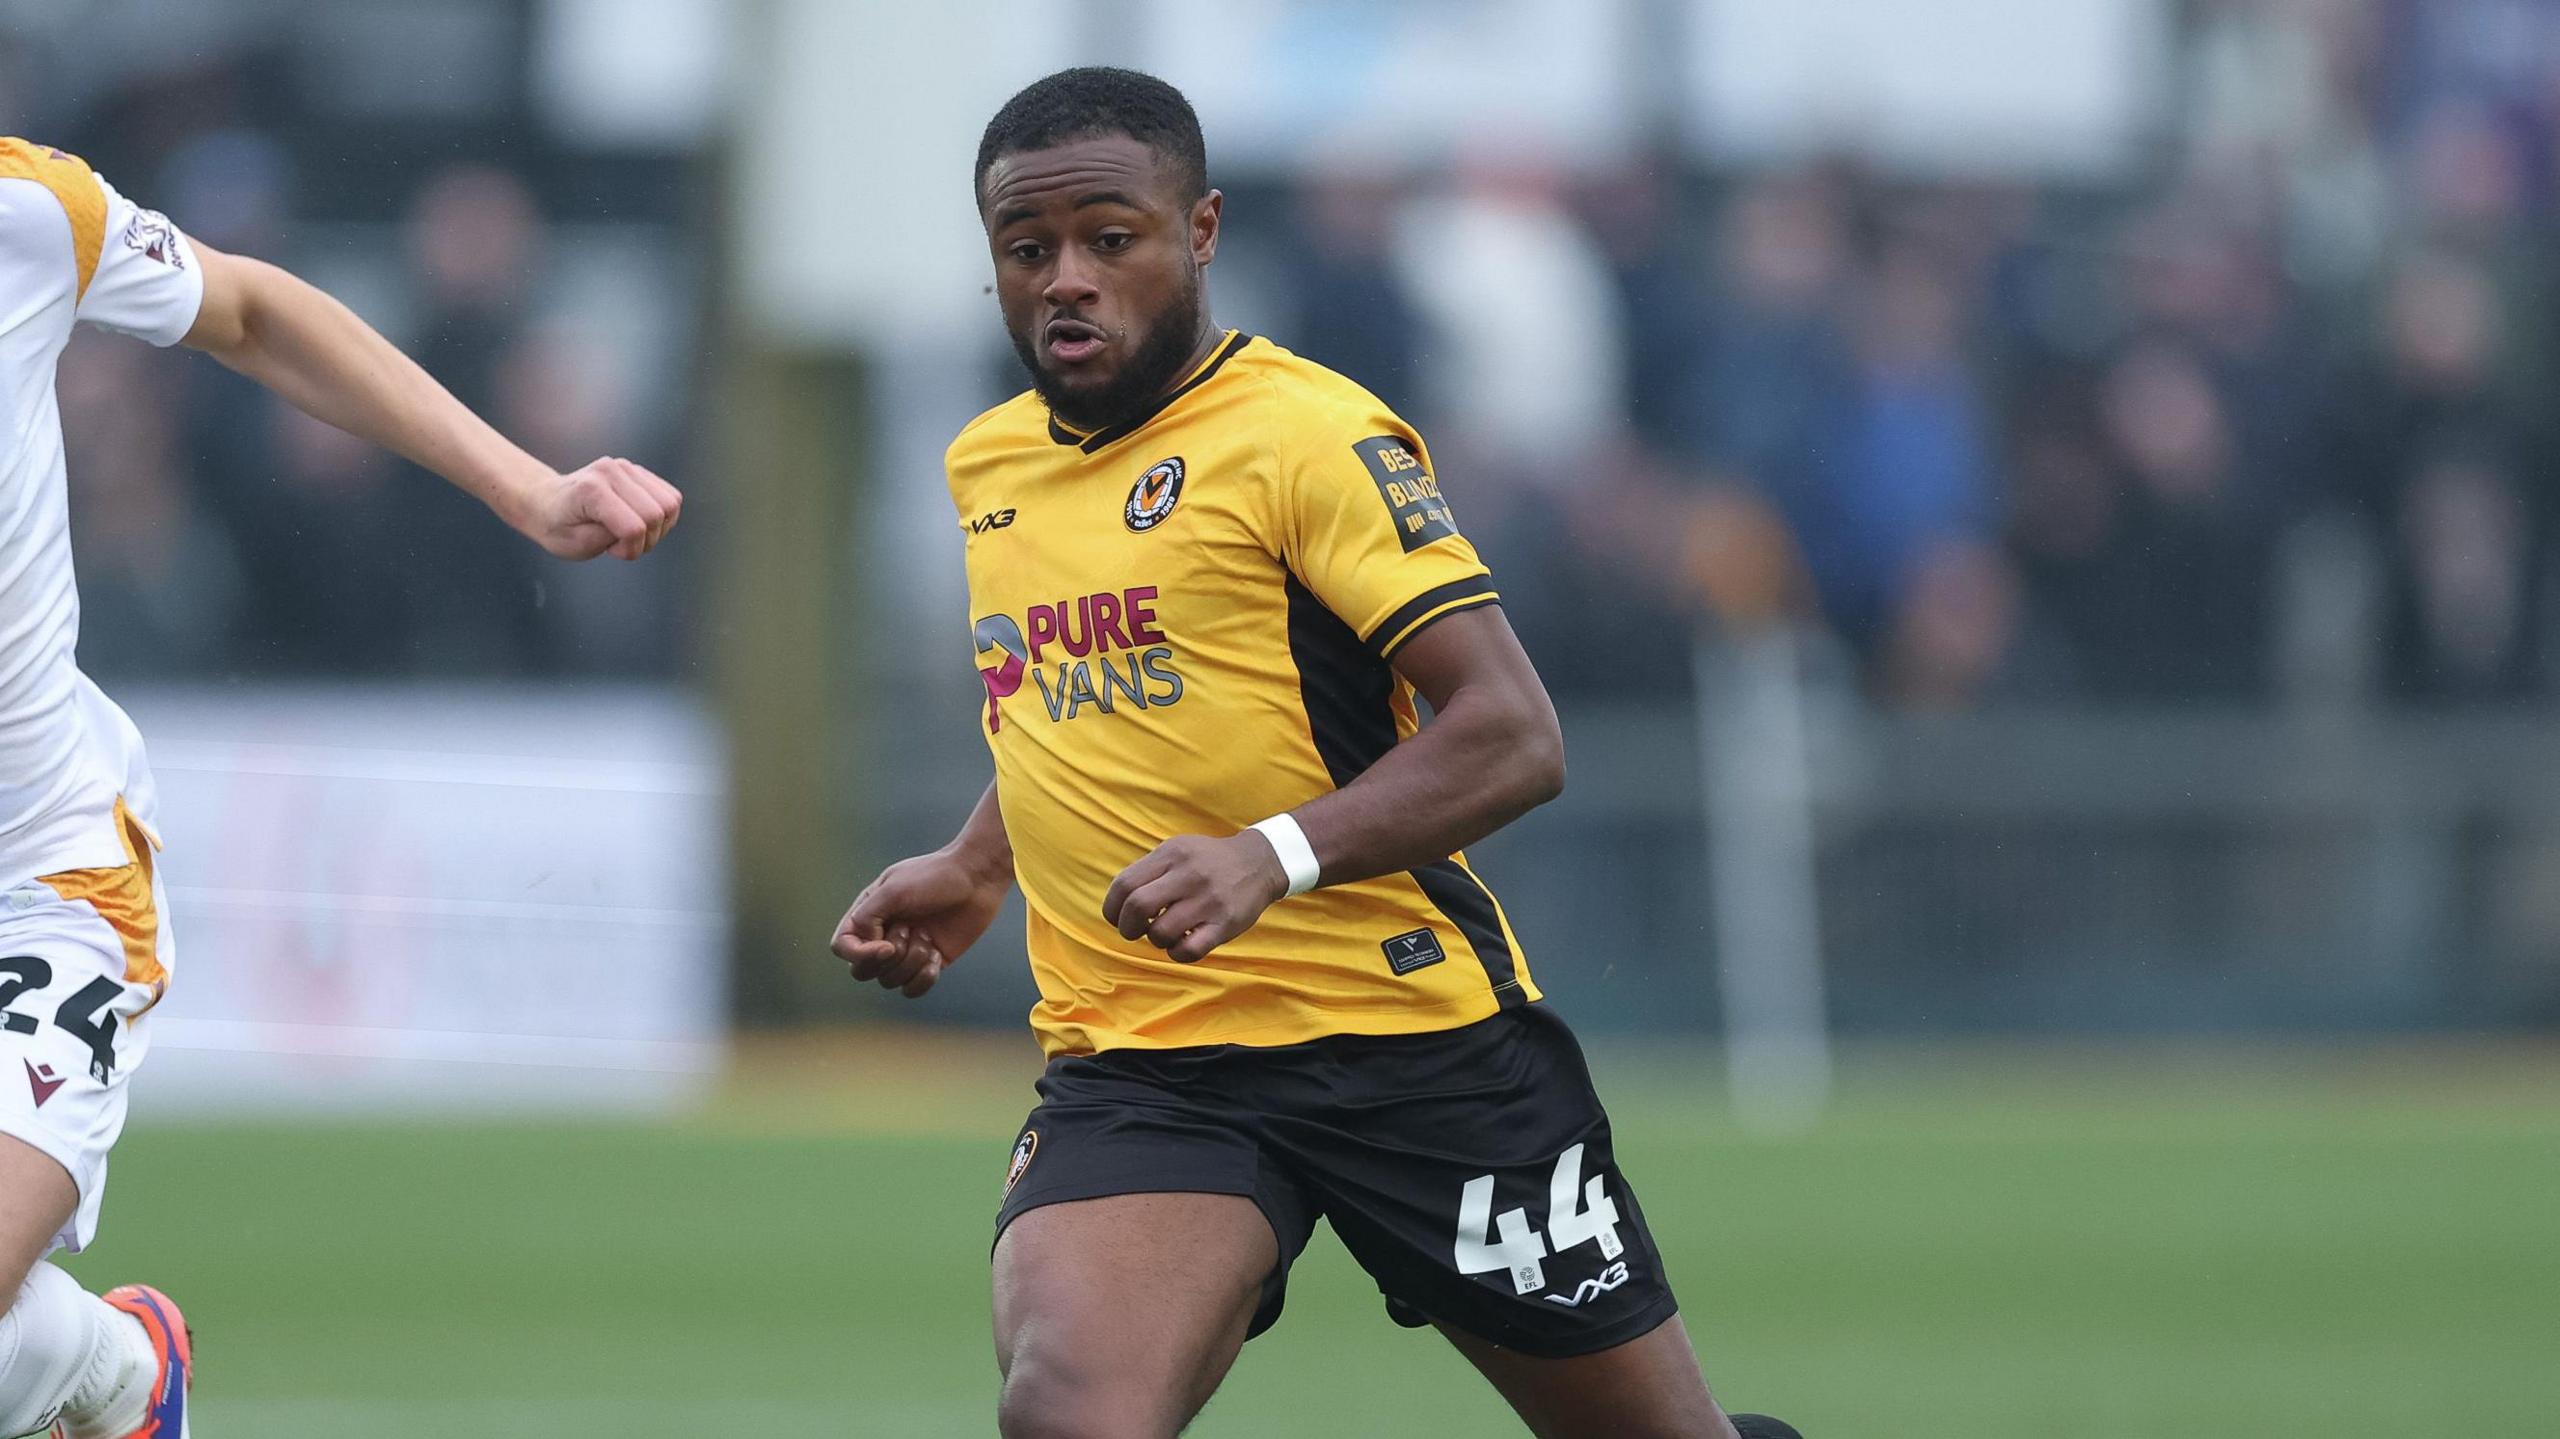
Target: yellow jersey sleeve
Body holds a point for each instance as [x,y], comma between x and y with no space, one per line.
[1366,528]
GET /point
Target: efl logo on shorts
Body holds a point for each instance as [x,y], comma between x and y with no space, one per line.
[1409,952]
[1023,1149]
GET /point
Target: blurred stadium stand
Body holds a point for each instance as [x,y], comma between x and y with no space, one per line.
[2137,428]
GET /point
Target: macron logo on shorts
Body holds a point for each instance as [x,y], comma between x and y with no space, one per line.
[43,1081]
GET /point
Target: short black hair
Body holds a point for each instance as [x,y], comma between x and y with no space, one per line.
[1092,100]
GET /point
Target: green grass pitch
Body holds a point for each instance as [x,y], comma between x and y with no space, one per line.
[2044,1246]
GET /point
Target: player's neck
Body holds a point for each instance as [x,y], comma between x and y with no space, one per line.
[1202,347]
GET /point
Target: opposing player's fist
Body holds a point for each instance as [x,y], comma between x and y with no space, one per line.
[916,918]
[1192,893]
[611,506]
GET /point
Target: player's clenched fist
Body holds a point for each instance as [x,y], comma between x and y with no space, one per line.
[916,918]
[611,506]
[1193,893]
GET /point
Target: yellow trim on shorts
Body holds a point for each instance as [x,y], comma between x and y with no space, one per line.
[124,898]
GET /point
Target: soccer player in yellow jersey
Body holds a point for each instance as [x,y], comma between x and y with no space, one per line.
[86,952]
[1207,580]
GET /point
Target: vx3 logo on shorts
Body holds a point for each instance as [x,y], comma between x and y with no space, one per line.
[43,1081]
[1589,1289]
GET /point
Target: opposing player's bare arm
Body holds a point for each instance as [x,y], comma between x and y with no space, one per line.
[1492,752]
[923,913]
[316,354]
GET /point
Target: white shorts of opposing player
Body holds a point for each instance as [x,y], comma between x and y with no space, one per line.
[79,973]
[84,956]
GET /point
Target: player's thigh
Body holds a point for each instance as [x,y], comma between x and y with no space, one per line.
[1647,1388]
[68,1045]
[1473,1174]
[1118,1316]
[37,1200]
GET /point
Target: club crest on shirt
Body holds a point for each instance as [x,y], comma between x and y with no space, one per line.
[1023,1148]
[1153,496]
[151,233]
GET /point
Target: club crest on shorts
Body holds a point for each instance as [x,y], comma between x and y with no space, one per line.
[1153,496]
[1023,1148]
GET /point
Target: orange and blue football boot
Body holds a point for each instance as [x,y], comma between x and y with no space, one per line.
[167,1417]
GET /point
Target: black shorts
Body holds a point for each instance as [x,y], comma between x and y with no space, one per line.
[1469,1170]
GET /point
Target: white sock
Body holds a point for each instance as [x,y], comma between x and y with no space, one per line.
[65,1352]
[45,1344]
[113,1395]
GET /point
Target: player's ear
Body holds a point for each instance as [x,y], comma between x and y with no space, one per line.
[1204,226]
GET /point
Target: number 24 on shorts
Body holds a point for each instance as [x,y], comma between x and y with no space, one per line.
[83,1016]
[1576,1214]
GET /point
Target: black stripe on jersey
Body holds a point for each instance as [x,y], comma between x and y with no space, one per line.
[1349,693]
[1390,634]
[1130,426]
[1469,905]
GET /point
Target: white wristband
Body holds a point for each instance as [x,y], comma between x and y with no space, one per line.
[1297,857]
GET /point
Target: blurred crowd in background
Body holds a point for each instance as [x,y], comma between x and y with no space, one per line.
[2267,425]
[2272,425]
[222,534]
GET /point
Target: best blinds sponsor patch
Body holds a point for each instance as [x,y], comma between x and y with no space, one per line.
[1412,496]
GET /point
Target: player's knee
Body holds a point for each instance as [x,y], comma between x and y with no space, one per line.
[1048,1398]
[14,1277]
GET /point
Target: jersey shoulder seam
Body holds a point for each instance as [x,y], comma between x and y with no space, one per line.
[75,188]
[1315,385]
[973,438]
[1288,389]
[985,416]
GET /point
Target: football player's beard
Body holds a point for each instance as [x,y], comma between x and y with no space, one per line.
[1158,363]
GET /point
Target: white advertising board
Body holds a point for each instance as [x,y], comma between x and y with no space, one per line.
[1282,83]
[1954,87]
[437,898]
[858,124]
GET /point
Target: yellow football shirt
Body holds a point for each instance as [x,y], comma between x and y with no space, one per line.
[1185,624]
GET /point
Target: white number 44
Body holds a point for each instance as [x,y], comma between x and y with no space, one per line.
[1576,1214]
